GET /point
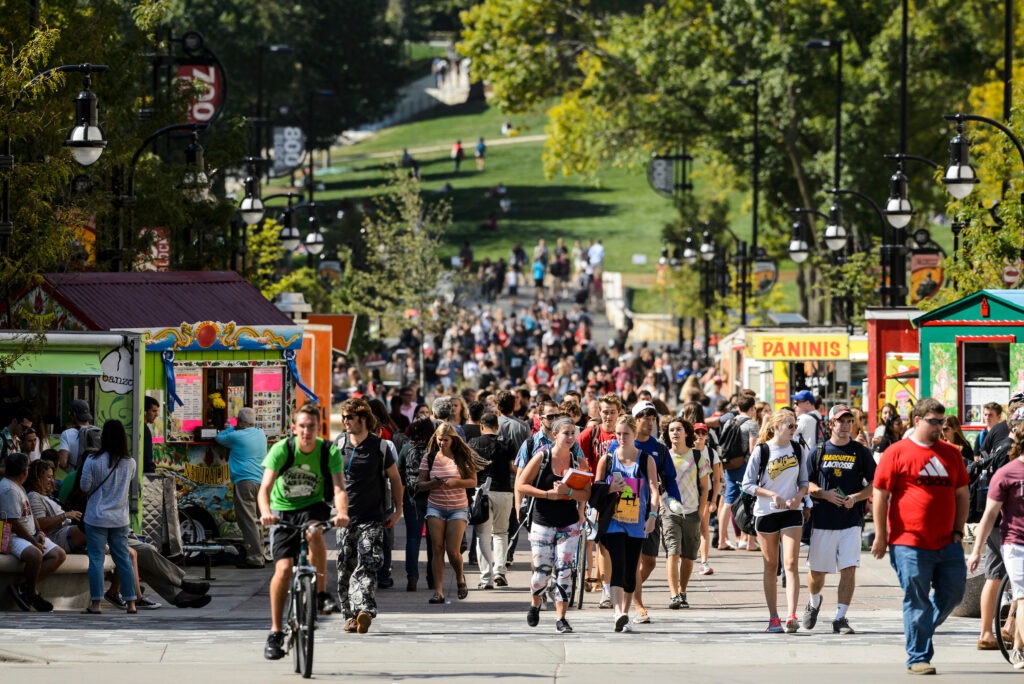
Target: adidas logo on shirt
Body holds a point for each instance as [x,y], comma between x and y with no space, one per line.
[934,474]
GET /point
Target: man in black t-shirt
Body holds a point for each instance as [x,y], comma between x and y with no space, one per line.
[840,472]
[492,536]
[367,460]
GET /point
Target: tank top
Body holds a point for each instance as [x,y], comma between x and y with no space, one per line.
[631,511]
[554,512]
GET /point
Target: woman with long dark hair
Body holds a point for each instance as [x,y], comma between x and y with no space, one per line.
[954,434]
[447,470]
[106,479]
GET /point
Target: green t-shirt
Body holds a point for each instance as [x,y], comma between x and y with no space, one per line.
[302,485]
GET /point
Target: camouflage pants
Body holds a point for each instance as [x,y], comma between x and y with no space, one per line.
[360,555]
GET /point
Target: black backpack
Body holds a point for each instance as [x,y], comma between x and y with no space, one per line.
[325,466]
[979,473]
[732,448]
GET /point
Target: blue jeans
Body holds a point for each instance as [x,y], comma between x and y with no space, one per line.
[415,515]
[96,541]
[920,570]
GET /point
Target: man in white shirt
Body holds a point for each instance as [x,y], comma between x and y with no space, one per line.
[807,418]
[67,456]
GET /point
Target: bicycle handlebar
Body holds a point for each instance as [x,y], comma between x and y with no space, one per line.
[326,525]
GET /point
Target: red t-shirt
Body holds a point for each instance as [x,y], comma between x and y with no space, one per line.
[922,482]
[586,442]
[1007,485]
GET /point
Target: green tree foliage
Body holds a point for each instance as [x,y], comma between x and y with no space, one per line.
[631,81]
[347,47]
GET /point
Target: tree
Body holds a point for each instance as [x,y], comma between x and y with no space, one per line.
[631,82]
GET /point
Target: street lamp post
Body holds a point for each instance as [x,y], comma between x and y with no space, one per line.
[708,252]
[85,140]
[960,177]
[310,142]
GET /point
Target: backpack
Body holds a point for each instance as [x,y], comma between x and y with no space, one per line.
[410,458]
[732,450]
[325,467]
[388,498]
[87,435]
[821,431]
[979,473]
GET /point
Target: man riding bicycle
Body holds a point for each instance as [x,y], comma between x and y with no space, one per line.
[292,491]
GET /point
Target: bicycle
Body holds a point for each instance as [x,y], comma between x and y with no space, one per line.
[300,609]
[579,562]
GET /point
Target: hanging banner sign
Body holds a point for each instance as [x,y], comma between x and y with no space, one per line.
[208,77]
[289,150]
[926,274]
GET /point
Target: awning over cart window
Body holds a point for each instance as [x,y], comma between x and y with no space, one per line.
[58,362]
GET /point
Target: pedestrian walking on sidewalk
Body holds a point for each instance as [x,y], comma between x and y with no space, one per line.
[1006,497]
[682,517]
[635,515]
[557,515]
[920,504]
[840,475]
[777,475]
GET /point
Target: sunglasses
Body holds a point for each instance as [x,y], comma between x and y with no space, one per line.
[700,433]
[349,416]
[550,416]
[934,422]
[788,426]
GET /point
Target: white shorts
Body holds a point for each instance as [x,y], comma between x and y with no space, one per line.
[1013,560]
[18,546]
[834,550]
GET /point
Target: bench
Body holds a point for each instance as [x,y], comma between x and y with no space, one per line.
[66,589]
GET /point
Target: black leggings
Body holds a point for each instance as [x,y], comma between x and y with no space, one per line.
[625,554]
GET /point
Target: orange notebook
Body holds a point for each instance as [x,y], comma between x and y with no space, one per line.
[577,479]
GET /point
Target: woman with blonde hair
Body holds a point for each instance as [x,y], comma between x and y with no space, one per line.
[777,475]
[635,515]
[447,470]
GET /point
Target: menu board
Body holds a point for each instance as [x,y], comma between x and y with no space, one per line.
[268,398]
[189,387]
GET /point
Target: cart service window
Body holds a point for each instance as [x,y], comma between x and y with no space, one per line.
[986,378]
[212,397]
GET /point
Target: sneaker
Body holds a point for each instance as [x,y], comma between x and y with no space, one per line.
[40,604]
[274,650]
[562,626]
[792,624]
[115,600]
[921,669]
[17,593]
[642,618]
[705,569]
[385,583]
[682,600]
[628,628]
[143,603]
[533,616]
[1017,659]
[774,626]
[621,622]
[500,581]
[841,626]
[325,604]
[675,603]
[485,585]
[810,617]
[363,621]
[606,601]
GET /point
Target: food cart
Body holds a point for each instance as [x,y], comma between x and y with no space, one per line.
[209,343]
[972,353]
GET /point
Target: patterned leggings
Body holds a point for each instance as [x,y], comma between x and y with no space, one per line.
[360,556]
[553,549]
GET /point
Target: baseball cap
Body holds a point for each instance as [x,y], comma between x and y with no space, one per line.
[803,395]
[697,427]
[717,378]
[641,406]
[80,409]
[838,411]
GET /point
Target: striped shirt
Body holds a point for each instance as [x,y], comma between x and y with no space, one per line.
[444,497]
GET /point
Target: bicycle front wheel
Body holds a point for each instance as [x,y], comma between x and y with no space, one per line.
[305,617]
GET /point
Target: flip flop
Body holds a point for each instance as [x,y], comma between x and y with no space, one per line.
[436,598]
[90,611]
[463,590]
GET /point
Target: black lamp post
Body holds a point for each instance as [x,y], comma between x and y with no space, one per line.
[195,181]
[708,252]
[755,170]
[289,235]
[311,97]
[85,140]
[261,119]
[251,208]
[960,177]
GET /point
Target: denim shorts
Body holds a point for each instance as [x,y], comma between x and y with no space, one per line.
[447,514]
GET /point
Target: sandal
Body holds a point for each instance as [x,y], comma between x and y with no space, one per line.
[90,611]
[436,598]
[463,590]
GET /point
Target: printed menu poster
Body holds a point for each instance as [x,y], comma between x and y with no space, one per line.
[188,384]
[268,398]
[236,400]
